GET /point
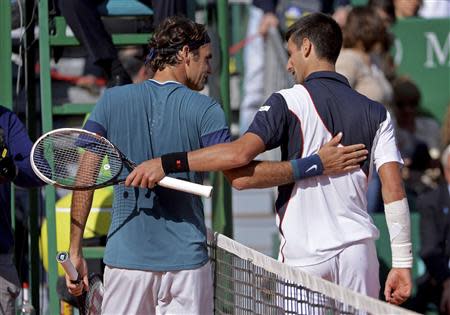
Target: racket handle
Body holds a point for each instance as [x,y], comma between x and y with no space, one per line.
[189,187]
[69,268]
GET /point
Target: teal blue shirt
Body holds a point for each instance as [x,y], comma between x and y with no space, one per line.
[159,229]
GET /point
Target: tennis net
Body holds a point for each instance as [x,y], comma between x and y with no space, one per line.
[248,282]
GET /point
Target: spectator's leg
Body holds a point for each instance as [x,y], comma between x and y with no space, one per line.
[90,78]
[84,20]
[165,8]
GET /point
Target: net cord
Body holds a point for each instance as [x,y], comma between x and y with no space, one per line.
[313,283]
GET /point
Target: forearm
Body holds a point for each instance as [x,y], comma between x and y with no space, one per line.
[391,182]
[217,158]
[261,174]
[226,156]
[82,200]
[397,215]
[80,208]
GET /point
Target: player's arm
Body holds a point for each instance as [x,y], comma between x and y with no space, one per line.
[219,157]
[79,213]
[398,284]
[225,156]
[236,160]
[330,160]
[388,161]
[82,200]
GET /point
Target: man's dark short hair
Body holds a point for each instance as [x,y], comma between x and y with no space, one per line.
[170,37]
[323,32]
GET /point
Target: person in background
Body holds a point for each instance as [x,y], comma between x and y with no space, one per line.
[85,21]
[363,32]
[259,22]
[15,167]
[413,126]
[432,9]
[434,209]
[406,8]
[445,129]
[381,55]
[385,9]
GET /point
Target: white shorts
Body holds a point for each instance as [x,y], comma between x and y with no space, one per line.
[147,292]
[355,268]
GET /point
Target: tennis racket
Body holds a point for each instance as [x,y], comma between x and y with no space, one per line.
[77,159]
[90,302]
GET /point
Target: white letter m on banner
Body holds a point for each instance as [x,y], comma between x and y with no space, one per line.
[434,49]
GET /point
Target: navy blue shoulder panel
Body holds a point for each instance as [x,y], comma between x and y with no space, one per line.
[277,126]
[343,109]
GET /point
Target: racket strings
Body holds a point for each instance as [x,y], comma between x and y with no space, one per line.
[77,159]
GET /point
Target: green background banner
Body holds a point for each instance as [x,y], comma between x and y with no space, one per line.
[422,52]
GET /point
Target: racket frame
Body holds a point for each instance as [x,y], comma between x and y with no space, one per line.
[44,178]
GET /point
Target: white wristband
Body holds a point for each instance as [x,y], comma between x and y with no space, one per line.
[398,222]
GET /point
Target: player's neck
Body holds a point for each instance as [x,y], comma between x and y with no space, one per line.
[170,73]
[319,65]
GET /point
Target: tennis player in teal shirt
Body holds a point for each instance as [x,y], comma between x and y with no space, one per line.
[156,255]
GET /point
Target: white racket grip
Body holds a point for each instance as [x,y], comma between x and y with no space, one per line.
[189,187]
[69,268]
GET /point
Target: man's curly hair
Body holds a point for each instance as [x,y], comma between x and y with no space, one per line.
[169,38]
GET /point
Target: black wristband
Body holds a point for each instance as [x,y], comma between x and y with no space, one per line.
[175,162]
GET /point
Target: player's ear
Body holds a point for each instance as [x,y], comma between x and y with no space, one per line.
[184,54]
[306,47]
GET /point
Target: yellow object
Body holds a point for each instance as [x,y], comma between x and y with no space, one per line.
[96,225]
[66,308]
[232,65]
[4,152]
